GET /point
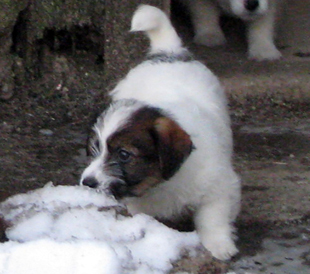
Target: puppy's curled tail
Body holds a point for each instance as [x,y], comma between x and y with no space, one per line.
[157,26]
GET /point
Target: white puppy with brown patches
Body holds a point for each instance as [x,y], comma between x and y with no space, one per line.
[259,16]
[164,146]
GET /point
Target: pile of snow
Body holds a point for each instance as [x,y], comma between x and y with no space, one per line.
[74,229]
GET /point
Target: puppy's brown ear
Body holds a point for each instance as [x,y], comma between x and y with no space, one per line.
[174,145]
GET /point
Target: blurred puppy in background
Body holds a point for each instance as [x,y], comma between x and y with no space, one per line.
[259,16]
[164,145]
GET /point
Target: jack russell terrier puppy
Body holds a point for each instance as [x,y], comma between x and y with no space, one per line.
[259,16]
[164,145]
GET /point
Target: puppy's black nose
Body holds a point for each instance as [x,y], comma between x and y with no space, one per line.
[251,5]
[90,182]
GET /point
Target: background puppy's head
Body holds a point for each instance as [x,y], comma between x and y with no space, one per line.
[246,9]
[135,147]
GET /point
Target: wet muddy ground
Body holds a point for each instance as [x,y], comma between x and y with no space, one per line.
[274,226]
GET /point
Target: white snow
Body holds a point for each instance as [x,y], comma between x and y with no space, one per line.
[74,229]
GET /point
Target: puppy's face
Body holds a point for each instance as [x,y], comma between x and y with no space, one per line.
[135,147]
[246,9]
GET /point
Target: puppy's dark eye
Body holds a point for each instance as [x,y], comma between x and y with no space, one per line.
[124,155]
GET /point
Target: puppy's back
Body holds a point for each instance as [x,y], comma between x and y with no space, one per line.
[170,78]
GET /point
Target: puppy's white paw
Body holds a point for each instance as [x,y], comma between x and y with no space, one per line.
[210,38]
[222,248]
[261,53]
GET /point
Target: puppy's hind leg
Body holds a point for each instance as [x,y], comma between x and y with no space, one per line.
[213,224]
[205,16]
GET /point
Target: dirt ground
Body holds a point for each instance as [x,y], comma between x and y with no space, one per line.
[40,142]
[43,138]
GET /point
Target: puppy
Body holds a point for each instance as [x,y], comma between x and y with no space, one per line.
[164,145]
[259,16]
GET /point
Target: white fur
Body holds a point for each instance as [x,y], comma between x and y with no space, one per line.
[206,182]
[260,24]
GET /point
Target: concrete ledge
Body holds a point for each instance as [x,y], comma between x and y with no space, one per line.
[287,78]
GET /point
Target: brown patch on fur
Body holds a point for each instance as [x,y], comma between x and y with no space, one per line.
[146,184]
[174,145]
[157,146]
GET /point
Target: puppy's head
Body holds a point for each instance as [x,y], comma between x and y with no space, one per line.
[135,147]
[246,9]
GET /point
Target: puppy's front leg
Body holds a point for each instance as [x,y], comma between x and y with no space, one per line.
[260,39]
[205,17]
[212,222]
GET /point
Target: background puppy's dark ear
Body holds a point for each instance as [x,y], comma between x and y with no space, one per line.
[174,145]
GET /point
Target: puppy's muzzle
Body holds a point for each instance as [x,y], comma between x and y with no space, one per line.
[116,188]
